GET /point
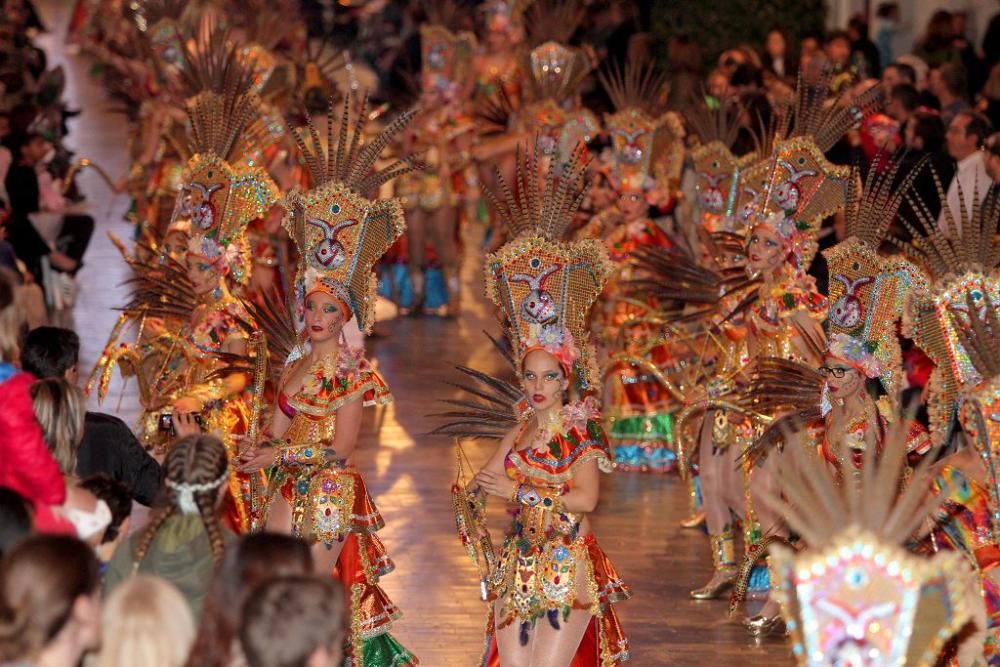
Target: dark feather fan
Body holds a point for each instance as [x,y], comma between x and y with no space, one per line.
[487,408]
[553,20]
[639,83]
[160,290]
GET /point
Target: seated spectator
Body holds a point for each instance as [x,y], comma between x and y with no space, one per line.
[119,502]
[26,465]
[59,408]
[920,73]
[966,136]
[948,84]
[925,132]
[15,519]
[49,602]
[248,563]
[147,622]
[896,73]
[777,59]
[184,540]
[35,202]
[294,622]
[108,446]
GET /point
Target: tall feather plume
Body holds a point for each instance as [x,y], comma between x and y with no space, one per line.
[541,205]
[639,83]
[553,20]
[870,211]
[968,242]
[214,65]
[819,507]
[718,123]
[352,160]
[826,118]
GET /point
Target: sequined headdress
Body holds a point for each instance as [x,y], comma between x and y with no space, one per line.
[718,170]
[799,187]
[856,596]
[646,145]
[340,233]
[446,55]
[961,261]
[544,285]
[867,289]
[221,193]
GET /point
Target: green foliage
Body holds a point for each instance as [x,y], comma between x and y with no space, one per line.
[717,25]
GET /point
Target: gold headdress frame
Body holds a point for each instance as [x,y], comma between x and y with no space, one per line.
[554,72]
[547,286]
[855,566]
[867,290]
[339,232]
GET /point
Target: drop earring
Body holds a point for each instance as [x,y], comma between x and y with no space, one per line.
[218,292]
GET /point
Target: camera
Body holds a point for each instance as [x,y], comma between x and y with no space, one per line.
[166,423]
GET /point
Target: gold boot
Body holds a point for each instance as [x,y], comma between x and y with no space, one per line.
[760,626]
[696,520]
[724,560]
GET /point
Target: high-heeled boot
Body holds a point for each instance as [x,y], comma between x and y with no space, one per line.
[724,560]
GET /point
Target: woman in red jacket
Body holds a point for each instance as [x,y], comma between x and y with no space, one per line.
[26,466]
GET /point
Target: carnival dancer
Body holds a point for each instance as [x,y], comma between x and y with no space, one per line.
[443,135]
[314,491]
[646,150]
[552,588]
[954,319]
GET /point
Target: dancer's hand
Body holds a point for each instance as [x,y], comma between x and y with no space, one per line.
[256,459]
[494,484]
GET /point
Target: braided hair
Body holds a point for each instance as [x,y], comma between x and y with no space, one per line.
[198,461]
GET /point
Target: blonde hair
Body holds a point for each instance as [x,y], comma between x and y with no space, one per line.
[60,409]
[145,621]
[11,317]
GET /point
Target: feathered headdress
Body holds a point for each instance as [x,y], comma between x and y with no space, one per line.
[868,290]
[340,233]
[646,145]
[220,193]
[856,595]
[961,262]
[799,187]
[544,285]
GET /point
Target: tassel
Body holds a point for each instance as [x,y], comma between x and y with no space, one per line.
[553,615]
[523,635]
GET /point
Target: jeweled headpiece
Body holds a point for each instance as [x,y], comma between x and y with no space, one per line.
[979,405]
[856,596]
[446,59]
[718,172]
[961,261]
[801,186]
[868,290]
[160,24]
[544,285]
[646,145]
[340,233]
[220,192]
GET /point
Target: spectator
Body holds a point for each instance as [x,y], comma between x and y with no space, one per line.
[948,84]
[925,132]
[15,519]
[966,136]
[33,199]
[777,59]
[989,99]
[886,30]
[684,60]
[294,621]
[118,500]
[865,53]
[184,540]
[248,563]
[991,42]
[26,466]
[717,85]
[902,102]
[147,622]
[59,408]
[936,46]
[896,73]
[108,445]
[920,71]
[992,155]
[838,50]
[810,48]
[49,602]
